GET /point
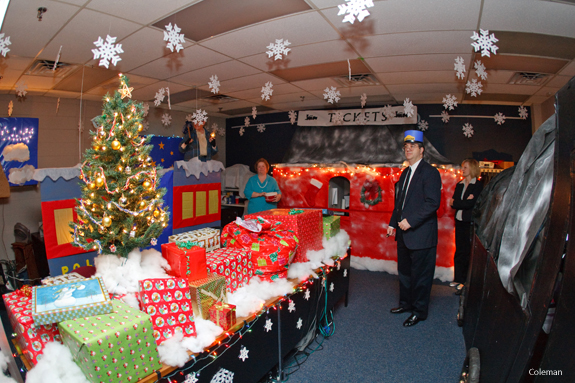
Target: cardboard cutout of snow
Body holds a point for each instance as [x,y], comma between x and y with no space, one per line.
[17,152]
[197,167]
[444,274]
[19,176]
[56,366]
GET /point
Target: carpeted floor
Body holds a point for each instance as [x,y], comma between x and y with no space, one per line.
[371,345]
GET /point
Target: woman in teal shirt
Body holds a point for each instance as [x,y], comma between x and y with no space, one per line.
[258,186]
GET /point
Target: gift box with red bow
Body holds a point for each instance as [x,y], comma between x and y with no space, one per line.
[233,264]
[186,260]
[223,314]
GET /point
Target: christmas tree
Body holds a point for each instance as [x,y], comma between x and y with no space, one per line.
[121,207]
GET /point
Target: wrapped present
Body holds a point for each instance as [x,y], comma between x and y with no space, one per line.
[305,224]
[330,226]
[31,338]
[186,259]
[55,303]
[112,348]
[223,314]
[208,238]
[206,292]
[70,277]
[271,276]
[166,302]
[233,264]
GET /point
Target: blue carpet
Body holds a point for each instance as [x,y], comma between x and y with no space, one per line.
[371,345]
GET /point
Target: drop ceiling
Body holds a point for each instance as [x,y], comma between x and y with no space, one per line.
[407,47]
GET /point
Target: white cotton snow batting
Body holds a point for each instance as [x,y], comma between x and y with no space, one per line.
[56,366]
[301,271]
[3,361]
[19,176]
[172,352]
[6,379]
[17,152]
[206,334]
[250,299]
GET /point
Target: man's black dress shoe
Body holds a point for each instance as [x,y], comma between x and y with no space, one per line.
[398,310]
[412,321]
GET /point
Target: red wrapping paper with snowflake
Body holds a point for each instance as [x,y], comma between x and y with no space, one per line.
[30,337]
[185,260]
[307,225]
[233,264]
[168,303]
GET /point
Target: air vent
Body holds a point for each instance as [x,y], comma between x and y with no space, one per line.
[46,68]
[357,80]
[528,78]
[220,99]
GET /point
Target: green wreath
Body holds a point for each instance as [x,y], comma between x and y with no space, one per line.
[370,202]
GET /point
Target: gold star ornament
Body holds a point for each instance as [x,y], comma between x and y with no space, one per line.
[125,91]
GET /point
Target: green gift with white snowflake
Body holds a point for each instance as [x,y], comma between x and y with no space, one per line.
[330,226]
[112,348]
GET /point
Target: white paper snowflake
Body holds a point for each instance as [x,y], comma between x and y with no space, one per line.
[337,118]
[254,112]
[353,9]
[388,112]
[279,49]
[220,130]
[468,130]
[449,102]
[291,306]
[474,87]
[267,91]
[174,38]
[423,125]
[191,378]
[459,67]
[331,287]
[4,42]
[10,108]
[244,353]
[189,117]
[363,99]
[307,295]
[246,121]
[261,128]
[480,70]
[338,266]
[166,119]
[299,323]
[21,88]
[408,108]
[107,51]
[242,130]
[331,95]
[223,376]
[199,117]
[345,273]
[292,116]
[146,109]
[214,84]
[484,42]
[523,112]
[362,120]
[268,326]
[145,125]
[499,118]
[160,95]
[445,116]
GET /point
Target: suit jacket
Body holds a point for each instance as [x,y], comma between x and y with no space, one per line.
[464,204]
[420,209]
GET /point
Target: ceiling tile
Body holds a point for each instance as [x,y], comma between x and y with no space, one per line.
[509,89]
[225,71]
[497,76]
[148,93]
[256,81]
[415,89]
[415,62]
[558,81]
[315,84]
[568,70]
[138,11]
[416,77]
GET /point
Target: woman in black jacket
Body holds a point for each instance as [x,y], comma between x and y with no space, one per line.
[464,198]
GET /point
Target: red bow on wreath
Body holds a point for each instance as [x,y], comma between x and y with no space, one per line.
[371,189]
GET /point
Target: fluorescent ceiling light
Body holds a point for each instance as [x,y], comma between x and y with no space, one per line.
[3,9]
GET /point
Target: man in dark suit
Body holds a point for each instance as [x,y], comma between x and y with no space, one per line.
[414,224]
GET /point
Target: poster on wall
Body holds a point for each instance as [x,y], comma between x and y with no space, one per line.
[19,149]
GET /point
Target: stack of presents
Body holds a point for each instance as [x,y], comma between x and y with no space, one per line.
[114,342]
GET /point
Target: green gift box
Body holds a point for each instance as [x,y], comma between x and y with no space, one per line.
[330,226]
[207,292]
[114,347]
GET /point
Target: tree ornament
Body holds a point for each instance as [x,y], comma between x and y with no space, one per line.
[147,185]
[91,186]
[116,145]
[99,182]
[123,201]
[106,221]
[142,204]
[156,213]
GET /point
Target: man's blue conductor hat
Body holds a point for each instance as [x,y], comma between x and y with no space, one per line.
[413,136]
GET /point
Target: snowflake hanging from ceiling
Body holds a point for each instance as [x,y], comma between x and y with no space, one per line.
[223,376]
[160,95]
[338,118]
[199,117]
[244,353]
[474,87]
[191,378]
[189,117]
[459,67]
[278,49]
[214,84]
[174,38]
[292,116]
[423,125]
[107,51]
[468,130]
[242,130]
[4,42]
[331,95]
[523,112]
[145,125]
[363,99]
[388,112]
[353,9]
[480,70]
[484,42]
[146,109]
[408,108]
[445,116]
[166,119]
[216,128]
[21,88]
[246,121]
[499,118]
[267,91]
[261,128]
[254,112]
[450,102]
